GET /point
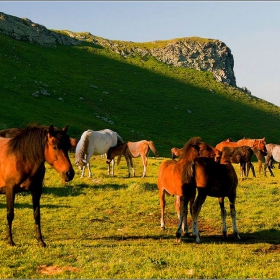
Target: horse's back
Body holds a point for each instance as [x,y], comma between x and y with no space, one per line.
[217,179]
[223,144]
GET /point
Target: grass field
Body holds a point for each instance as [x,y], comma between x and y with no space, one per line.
[109,227]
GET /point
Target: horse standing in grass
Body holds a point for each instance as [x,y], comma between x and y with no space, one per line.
[216,180]
[95,143]
[243,156]
[260,144]
[73,144]
[133,150]
[175,178]
[273,154]
[22,157]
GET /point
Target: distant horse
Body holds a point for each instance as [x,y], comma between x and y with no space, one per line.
[22,157]
[73,144]
[243,156]
[215,180]
[95,143]
[175,178]
[133,150]
[176,152]
[252,143]
[273,154]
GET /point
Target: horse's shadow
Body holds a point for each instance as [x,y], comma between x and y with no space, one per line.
[270,236]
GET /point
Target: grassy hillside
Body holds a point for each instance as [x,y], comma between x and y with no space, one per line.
[88,86]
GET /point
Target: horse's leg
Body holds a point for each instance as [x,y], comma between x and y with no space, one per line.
[144,161]
[89,170]
[113,165]
[181,210]
[83,171]
[162,207]
[253,169]
[10,199]
[132,165]
[36,195]
[128,165]
[200,199]
[223,215]
[233,215]
[177,203]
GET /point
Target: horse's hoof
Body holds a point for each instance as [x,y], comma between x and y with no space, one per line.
[225,236]
[236,236]
[162,228]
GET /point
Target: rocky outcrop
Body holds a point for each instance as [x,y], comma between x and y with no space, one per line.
[196,53]
[28,31]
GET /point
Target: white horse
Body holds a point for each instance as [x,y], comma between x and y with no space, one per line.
[95,143]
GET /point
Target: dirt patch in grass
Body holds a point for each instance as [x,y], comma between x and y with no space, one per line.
[53,269]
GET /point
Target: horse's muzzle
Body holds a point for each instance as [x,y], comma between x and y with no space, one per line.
[69,175]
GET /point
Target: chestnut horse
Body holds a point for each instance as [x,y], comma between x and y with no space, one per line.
[133,150]
[215,180]
[22,168]
[260,144]
[174,178]
[95,143]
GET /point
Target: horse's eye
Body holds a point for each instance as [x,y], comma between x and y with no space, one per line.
[55,148]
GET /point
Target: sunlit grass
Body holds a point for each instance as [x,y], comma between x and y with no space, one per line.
[109,227]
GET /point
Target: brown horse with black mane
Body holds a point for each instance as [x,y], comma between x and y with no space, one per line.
[175,178]
[132,150]
[22,157]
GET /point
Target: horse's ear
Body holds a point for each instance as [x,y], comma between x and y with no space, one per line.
[51,130]
[65,128]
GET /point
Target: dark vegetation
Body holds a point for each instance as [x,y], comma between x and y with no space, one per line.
[89,86]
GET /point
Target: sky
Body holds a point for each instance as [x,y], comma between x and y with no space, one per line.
[251,29]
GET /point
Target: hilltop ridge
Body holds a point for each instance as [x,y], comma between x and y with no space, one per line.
[190,52]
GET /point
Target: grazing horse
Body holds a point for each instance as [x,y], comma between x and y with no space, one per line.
[260,144]
[215,180]
[133,150]
[95,143]
[242,155]
[73,144]
[174,178]
[22,157]
[273,154]
[176,152]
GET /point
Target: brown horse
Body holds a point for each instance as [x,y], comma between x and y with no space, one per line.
[174,178]
[22,168]
[243,156]
[133,150]
[215,180]
[260,144]
[176,152]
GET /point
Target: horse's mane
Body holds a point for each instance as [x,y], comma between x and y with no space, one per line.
[192,142]
[29,143]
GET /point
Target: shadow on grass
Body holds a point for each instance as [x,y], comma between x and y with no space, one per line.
[270,236]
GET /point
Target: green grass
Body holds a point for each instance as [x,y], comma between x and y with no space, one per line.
[109,227]
[139,97]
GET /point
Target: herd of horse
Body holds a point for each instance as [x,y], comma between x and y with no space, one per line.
[195,171]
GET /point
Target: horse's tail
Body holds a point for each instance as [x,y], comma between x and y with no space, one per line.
[153,148]
[82,147]
[119,140]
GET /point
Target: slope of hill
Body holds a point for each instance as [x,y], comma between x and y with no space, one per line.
[89,86]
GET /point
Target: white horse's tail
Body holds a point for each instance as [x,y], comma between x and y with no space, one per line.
[82,147]
[119,140]
[153,148]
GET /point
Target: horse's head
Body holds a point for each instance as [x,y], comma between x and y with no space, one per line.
[195,148]
[261,145]
[206,150]
[110,156]
[56,152]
